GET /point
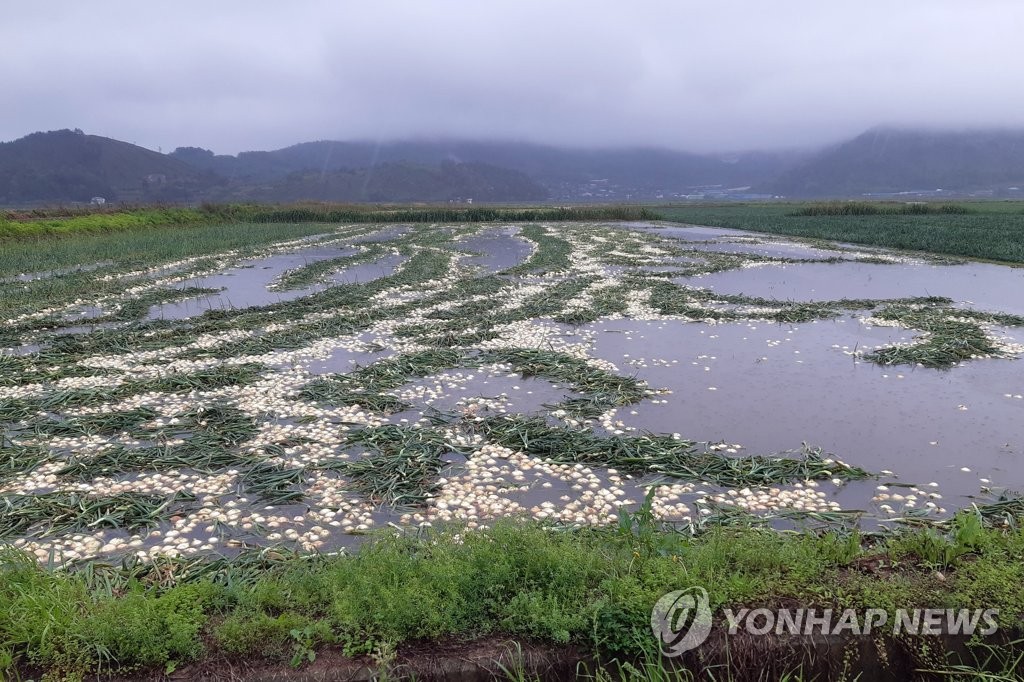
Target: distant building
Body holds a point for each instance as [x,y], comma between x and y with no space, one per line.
[97,201]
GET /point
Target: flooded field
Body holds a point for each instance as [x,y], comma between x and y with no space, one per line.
[404,376]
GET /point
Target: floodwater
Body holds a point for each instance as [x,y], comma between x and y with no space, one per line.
[984,286]
[749,388]
[772,387]
[248,284]
[771,250]
[367,272]
[766,387]
[726,240]
[385,234]
[498,249]
[343,360]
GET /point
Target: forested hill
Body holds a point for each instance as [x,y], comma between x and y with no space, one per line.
[889,160]
[68,166]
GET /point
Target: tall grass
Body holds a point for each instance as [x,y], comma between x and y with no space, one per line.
[591,588]
[837,208]
[58,223]
[372,214]
[93,223]
[137,247]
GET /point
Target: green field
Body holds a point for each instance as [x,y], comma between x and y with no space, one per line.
[990,230]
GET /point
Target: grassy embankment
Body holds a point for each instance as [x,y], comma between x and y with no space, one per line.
[983,230]
[62,222]
[593,589]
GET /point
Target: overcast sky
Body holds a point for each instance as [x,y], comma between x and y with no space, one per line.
[705,76]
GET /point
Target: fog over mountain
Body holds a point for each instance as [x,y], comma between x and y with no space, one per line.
[238,75]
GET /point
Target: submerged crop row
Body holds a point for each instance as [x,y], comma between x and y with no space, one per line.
[450,385]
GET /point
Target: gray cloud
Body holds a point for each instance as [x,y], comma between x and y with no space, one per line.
[234,75]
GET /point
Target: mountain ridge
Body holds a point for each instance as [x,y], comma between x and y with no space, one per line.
[70,166]
[550,166]
[890,160]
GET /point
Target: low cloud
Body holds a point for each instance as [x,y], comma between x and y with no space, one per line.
[721,76]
